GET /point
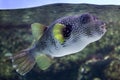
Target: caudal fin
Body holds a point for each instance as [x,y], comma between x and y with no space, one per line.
[23,62]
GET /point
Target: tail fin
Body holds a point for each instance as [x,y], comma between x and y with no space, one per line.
[23,62]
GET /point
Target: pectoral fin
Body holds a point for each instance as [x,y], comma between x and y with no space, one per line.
[43,61]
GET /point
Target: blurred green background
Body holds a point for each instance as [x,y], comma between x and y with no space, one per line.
[98,61]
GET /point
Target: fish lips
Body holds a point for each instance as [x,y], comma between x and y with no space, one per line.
[103,27]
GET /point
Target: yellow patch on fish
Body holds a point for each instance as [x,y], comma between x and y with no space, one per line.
[57,32]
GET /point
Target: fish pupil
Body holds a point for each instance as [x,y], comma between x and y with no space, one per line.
[67,31]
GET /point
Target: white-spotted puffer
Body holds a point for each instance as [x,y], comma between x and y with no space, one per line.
[64,36]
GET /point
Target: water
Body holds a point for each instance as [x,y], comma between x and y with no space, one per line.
[98,61]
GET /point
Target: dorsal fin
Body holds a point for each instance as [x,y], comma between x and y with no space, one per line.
[37,30]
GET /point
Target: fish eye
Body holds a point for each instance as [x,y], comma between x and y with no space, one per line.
[67,31]
[85,18]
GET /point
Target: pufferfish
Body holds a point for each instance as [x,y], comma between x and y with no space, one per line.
[65,36]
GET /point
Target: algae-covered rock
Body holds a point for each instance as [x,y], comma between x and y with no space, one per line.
[112,70]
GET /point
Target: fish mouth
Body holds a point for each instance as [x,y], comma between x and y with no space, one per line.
[103,28]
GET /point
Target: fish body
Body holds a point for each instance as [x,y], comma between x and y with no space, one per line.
[64,36]
[78,36]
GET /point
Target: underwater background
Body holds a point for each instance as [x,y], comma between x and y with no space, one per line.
[98,61]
